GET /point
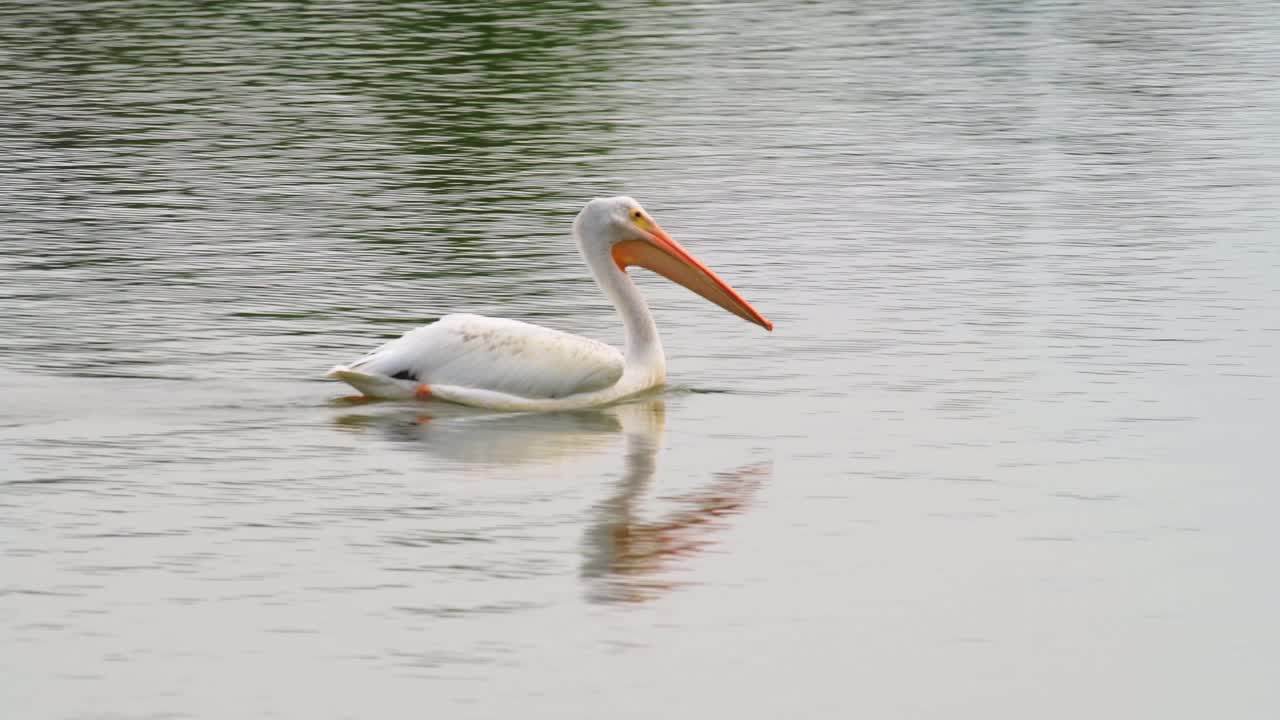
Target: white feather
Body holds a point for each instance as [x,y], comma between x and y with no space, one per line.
[484,353]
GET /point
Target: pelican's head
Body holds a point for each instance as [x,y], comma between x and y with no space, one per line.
[632,237]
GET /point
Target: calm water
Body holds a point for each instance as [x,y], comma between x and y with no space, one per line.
[1010,452]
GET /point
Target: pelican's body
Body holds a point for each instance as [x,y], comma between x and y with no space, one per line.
[510,365]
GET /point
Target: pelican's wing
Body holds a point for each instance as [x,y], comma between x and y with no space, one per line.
[473,351]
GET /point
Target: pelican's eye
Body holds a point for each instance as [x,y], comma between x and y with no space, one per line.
[640,220]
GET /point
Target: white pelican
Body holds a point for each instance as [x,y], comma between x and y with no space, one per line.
[510,365]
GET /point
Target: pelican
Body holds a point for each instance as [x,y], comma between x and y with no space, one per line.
[504,364]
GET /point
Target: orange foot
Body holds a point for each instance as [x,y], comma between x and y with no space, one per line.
[423,392]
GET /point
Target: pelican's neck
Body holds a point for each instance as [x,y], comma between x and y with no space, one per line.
[643,346]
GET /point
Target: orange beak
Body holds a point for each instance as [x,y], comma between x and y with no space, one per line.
[664,256]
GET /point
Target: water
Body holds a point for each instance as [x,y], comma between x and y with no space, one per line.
[1009,453]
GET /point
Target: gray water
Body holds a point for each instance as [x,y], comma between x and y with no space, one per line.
[1010,452]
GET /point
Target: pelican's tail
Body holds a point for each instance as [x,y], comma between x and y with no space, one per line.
[375,386]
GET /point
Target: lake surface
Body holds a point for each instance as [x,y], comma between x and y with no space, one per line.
[1011,451]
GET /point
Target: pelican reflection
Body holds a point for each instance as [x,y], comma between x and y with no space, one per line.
[627,557]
